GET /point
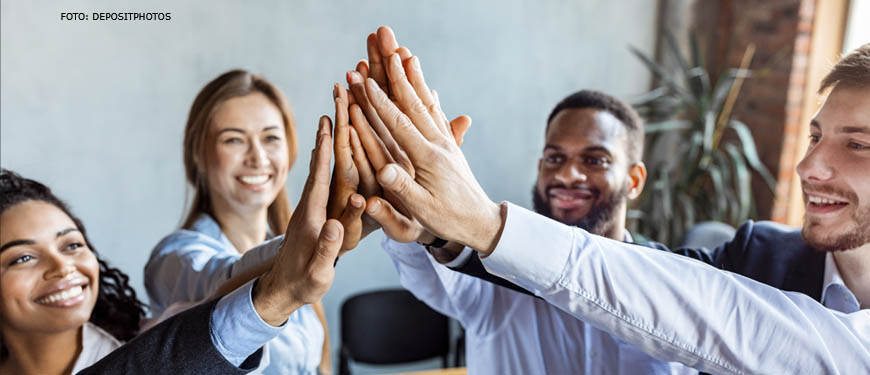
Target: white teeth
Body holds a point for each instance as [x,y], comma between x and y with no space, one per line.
[255,180]
[63,295]
[819,200]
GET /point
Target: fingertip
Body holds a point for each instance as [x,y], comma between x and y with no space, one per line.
[373,206]
[388,174]
[357,201]
[332,230]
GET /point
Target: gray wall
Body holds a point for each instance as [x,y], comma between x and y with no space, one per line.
[96,109]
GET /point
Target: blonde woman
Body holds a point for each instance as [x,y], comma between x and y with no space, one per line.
[239,145]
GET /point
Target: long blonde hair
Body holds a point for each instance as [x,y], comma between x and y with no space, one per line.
[231,84]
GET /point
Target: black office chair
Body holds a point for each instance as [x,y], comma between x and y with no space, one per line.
[391,326]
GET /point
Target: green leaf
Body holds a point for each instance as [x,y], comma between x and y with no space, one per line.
[697,57]
[709,128]
[666,126]
[751,154]
[743,182]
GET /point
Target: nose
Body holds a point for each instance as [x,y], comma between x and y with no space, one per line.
[60,266]
[815,167]
[569,174]
[257,156]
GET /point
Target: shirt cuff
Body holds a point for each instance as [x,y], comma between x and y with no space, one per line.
[237,330]
[460,259]
[532,251]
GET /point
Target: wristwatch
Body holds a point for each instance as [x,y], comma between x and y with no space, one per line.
[437,242]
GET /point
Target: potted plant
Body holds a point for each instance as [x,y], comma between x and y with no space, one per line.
[700,159]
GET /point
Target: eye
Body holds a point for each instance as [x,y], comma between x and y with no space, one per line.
[233,140]
[554,159]
[857,146]
[595,162]
[814,138]
[272,138]
[21,259]
[74,246]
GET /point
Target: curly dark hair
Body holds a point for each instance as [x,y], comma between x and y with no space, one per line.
[117,310]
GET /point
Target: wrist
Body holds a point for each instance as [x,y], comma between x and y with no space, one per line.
[272,301]
[493,225]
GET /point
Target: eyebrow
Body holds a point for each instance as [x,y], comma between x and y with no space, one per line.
[587,149]
[31,242]
[267,128]
[855,129]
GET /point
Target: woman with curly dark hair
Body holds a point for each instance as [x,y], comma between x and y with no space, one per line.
[62,308]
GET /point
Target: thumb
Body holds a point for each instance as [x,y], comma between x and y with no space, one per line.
[327,247]
[396,180]
[459,126]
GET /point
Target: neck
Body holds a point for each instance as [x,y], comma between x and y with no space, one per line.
[245,229]
[41,353]
[854,267]
[616,230]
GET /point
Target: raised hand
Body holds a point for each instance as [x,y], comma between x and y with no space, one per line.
[443,193]
[304,268]
[344,204]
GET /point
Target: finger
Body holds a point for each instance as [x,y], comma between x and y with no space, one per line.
[397,226]
[410,195]
[376,62]
[316,192]
[387,42]
[363,68]
[383,135]
[409,102]
[368,182]
[458,127]
[375,150]
[415,78]
[406,134]
[438,107]
[351,220]
[322,262]
[341,134]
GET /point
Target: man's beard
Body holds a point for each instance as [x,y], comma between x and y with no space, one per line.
[599,219]
[858,236]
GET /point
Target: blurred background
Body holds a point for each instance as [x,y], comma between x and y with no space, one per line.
[96,109]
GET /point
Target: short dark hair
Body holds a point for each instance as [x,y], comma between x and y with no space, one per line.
[853,70]
[618,108]
[117,310]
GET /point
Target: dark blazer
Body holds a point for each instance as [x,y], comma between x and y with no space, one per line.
[179,345]
[768,252]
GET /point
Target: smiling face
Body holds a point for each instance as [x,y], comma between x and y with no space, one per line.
[835,172]
[49,278]
[248,161]
[583,176]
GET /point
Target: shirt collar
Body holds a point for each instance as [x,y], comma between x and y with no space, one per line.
[835,294]
[208,226]
[628,238]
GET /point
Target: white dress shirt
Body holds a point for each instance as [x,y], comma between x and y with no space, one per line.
[508,332]
[707,318]
[96,344]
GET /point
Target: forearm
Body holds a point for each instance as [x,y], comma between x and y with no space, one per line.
[418,275]
[679,309]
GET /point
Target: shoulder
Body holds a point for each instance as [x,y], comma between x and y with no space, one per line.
[768,237]
[96,344]
[185,240]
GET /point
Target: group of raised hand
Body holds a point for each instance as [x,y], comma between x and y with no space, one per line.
[398,167]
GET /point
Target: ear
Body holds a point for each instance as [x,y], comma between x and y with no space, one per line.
[540,165]
[636,180]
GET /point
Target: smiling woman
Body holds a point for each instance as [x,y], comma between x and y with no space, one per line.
[239,145]
[63,308]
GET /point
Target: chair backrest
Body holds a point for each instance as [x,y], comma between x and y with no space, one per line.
[708,234]
[391,326]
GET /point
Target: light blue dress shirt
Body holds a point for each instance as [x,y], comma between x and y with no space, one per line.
[712,320]
[508,332]
[191,265]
